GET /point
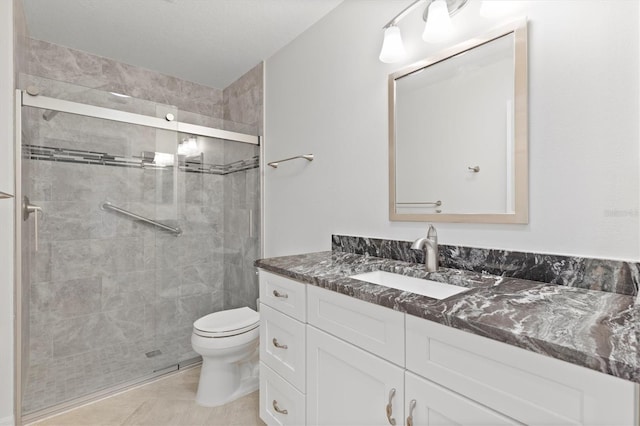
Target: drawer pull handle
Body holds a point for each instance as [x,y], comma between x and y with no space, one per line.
[392,421]
[412,405]
[278,345]
[278,409]
[276,293]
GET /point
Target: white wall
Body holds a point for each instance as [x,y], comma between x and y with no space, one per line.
[6,212]
[326,94]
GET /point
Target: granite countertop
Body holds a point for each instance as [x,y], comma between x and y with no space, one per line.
[594,329]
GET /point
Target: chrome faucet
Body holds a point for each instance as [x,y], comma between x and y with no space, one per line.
[430,246]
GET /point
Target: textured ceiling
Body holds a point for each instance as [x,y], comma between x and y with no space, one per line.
[211,42]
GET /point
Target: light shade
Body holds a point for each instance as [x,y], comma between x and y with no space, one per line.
[438,26]
[163,159]
[189,147]
[392,46]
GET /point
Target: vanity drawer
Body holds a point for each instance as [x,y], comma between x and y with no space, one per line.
[282,345]
[528,387]
[374,328]
[284,294]
[276,394]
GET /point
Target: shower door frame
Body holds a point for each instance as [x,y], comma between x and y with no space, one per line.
[24,99]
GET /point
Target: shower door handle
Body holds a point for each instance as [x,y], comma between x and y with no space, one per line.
[4,195]
[27,209]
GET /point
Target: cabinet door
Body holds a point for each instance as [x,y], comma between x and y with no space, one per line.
[438,406]
[349,386]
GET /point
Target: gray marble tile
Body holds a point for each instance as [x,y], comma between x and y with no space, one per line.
[193,307]
[98,330]
[201,279]
[201,248]
[127,290]
[243,99]
[68,220]
[40,262]
[168,283]
[40,342]
[66,299]
[65,64]
[201,219]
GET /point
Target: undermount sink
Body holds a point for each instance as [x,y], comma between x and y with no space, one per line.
[428,288]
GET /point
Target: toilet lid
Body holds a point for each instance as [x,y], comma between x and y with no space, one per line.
[227,323]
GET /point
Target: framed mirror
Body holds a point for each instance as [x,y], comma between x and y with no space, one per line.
[458,133]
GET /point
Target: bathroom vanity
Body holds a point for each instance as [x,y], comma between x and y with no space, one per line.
[336,350]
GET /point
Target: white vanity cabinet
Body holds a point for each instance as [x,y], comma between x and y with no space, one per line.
[350,386]
[355,361]
[350,362]
[282,350]
[527,387]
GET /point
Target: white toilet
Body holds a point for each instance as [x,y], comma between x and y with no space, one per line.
[228,343]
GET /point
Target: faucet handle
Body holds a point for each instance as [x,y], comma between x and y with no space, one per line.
[432,234]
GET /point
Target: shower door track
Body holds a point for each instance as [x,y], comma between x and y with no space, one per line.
[53,104]
[23,99]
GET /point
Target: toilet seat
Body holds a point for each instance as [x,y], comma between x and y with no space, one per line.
[227,323]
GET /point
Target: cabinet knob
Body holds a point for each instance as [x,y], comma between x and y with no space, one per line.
[278,409]
[278,345]
[276,293]
[391,420]
[412,405]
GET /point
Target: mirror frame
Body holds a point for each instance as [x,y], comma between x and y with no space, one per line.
[521,163]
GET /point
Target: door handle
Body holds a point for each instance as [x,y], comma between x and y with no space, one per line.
[276,293]
[278,409]
[391,420]
[4,195]
[279,345]
[27,209]
[412,405]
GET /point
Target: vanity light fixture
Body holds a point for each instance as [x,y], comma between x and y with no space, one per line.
[437,17]
[392,46]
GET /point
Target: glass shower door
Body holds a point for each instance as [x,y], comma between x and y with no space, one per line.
[93,278]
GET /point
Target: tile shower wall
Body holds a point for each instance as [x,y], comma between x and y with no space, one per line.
[242,103]
[104,291]
[73,66]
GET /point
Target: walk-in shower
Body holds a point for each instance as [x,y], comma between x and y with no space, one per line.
[134,240]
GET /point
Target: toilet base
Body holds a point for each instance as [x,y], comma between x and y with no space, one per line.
[221,384]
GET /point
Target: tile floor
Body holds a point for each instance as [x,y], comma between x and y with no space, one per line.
[168,401]
[63,379]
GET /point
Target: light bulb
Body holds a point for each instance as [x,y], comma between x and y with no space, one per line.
[438,26]
[189,147]
[163,159]
[392,47]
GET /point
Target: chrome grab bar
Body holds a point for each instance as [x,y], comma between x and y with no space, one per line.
[108,206]
[274,164]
